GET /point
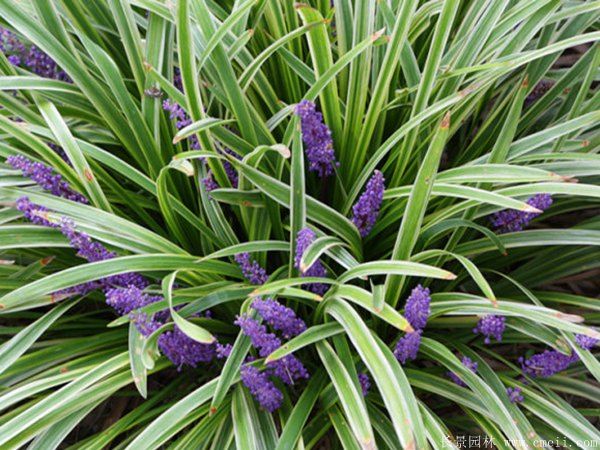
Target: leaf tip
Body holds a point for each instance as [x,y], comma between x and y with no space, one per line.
[445,121]
[47,260]
[449,276]
[531,209]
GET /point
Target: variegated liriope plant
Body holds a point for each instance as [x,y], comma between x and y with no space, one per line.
[259,224]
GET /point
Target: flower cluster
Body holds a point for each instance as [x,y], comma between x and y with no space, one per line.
[407,347]
[317,139]
[469,364]
[366,210]
[279,317]
[45,177]
[547,363]
[182,350]
[305,237]
[514,394]
[416,311]
[124,292]
[125,300]
[288,369]
[251,270]
[586,342]
[511,220]
[491,326]
[31,58]
[365,383]
[261,387]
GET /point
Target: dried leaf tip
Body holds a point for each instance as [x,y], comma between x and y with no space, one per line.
[525,82]
[449,276]
[531,209]
[147,66]
[445,121]
[299,5]
[46,260]
[377,34]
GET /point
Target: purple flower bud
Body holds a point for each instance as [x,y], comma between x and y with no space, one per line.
[317,139]
[510,220]
[45,177]
[261,388]
[365,383]
[469,364]
[586,342]
[306,237]
[514,394]
[366,210]
[547,363]
[417,309]
[279,317]
[223,351]
[15,60]
[491,326]
[407,347]
[251,269]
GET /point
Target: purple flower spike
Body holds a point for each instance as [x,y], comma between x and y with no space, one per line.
[251,269]
[586,342]
[182,120]
[510,220]
[223,351]
[547,363]
[261,388]
[306,237]
[95,251]
[209,182]
[177,81]
[365,383]
[45,177]
[36,214]
[469,364]
[514,394]
[417,309]
[126,300]
[288,368]
[366,209]
[183,350]
[12,46]
[279,317]
[407,347]
[261,339]
[491,326]
[43,65]
[317,139]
